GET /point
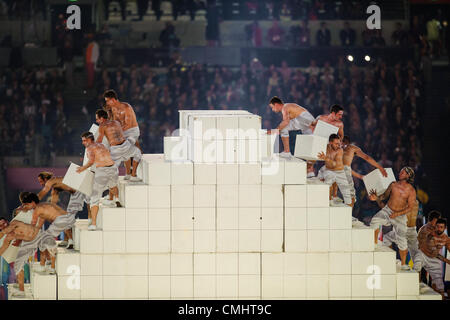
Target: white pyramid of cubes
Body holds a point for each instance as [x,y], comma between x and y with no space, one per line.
[235,228]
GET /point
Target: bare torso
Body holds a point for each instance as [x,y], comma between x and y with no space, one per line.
[400,193]
[22,231]
[349,154]
[48,211]
[292,111]
[412,215]
[113,132]
[100,154]
[335,155]
[124,113]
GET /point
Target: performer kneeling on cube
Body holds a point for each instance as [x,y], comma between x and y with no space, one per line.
[295,117]
[106,175]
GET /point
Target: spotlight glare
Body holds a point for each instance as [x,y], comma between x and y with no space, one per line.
[367,58]
[350,58]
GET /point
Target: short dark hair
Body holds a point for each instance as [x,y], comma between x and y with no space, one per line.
[31,197]
[433,215]
[336,108]
[22,195]
[45,175]
[276,100]
[101,113]
[3,218]
[333,136]
[110,94]
[442,221]
[88,135]
[346,139]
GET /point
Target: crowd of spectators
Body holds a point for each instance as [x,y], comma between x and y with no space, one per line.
[33,113]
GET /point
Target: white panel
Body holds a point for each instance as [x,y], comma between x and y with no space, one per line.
[136,241]
[318,240]
[136,287]
[317,286]
[181,264]
[318,218]
[183,241]
[136,219]
[272,286]
[67,262]
[227,263]
[295,240]
[67,288]
[295,218]
[295,171]
[227,218]
[182,286]
[317,195]
[272,218]
[361,262]
[250,173]
[249,263]
[205,218]
[249,240]
[79,181]
[227,173]
[272,171]
[182,173]
[363,239]
[250,218]
[272,196]
[159,219]
[182,218]
[205,286]
[309,146]
[388,286]
[159,287]
[249,286]
[159,264]
[204,263]
[324,129]
[44,286]
[272,240]
[340,285]
[204,196]
[111,219]
[205,241]
[91,241]
[182,196]
[294,263]
[272,263]
[91,264]
[136,196]
[205,173]
[227,286]
[249,196]
[159,241]
[340,217]
[360,287]
[294,286]
[227,196]
[175,149]
[340,240]
[295,196]
[340,263]
[385,259]
[114,242]
[407,283]
[227,240]
[159,196]
[317,263]
[91,287]
[157,170]
[375,180]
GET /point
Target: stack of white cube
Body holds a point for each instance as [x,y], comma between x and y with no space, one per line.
[215,230]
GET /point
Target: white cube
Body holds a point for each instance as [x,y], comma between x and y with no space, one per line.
[407,283]
[159,196]
[385,259]
[227,286]
[91,287]
[204,241]
[249,126]
[294,263]
[318,240]
[317,263]
[227,263]
[340,285]
[91,264]
[250,173]
[159,264]
[157,171]
[175,148]
[82,182]
[324,129]
[204,196]
[387,286]
[272,218]
[340,263]
[272,240]
[227,196]
[205,286]
[340,217]
[159,287]
[363,239]
[250,218]
[182,196]
[202,126]
[272,196]
[227,218]
[249,286]
[183,241]
[318,218]
[341,240]
[227,151]
[136,241]
[295,218]
[227,126]
[91,241]
[111,219]
[159,241]
[227,173]
[205,173]
[249,196]
[204,219]
[181,264]
[317,195]
[294,286]
[272,286]
[182,172]
[182,219]
[114,241]
[375,180]
[248,151]
[295,196]
[249,240]
[317,286]
[159,219]
[272,171]
[182,286]
[361,285]
[296,241]
[44,286]
[308,147]
[227,240]
[202,151]
[204,263]
[362,262]
[136,196]
[137,219]
[295,171]
[136,287]
[272,263]
[67,262]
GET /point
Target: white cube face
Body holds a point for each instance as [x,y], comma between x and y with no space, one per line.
[202,151]
[407,283]
[227,286]
[272,240]
[296,240]
[361,286]
[308,147]
[91,287]
[341,217]
[272,171]
[136,241]
[227,196]
[294,286]
[227,173]
[318,195]
[182,286]
[159,287]
[250,218]
[387,286]
[91,264]
[204,263]
[340,286]
[159,219]
[159,197]
[272,286]
[227,151]
[249,127]
[204,286]
[182,196]
[249,240]
[317,286]
[272,218]
[318,240]
[272,263]
[204,241]
[205,173]
[204,196]
[158,172]
[248,151]
[295,218]
[272,196]
[294,263]
[362,262]
[295,171]
[227,240]
[227,263]
[67,288]
[227,218]
[385,260]
[250,173]
[79,181]
[159,264]
[295,196]
[114,241]
[340,263]
[175,149]
[249,196]
[67,263]
[182,172]
[181,264]
[341,240]
[205,219]
[375,180]
[183,241]
[318,218]
[324,129]
[317,263]
[363,239]
[137,219]
[249,286]
[159,241]
[136,196]
[91,241]
[182,219]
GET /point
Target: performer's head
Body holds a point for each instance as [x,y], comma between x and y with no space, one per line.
[44,176]
[101,116]
[337,112]
[441,225]
[334,141]
[434,216]
[22,195]
[276,104]
[110,97]
[30,201]
[87,138]
[407,173]
[346,140]
[3,223]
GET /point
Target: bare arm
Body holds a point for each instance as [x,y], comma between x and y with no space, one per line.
[285,121]
[370,160]
[35,217]
[387,193]
[47,187]
[357,175]
[91,158]
[341,132]
[55,196]
[101,134]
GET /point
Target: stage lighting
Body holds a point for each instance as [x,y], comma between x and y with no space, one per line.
[350,58]
[367,58]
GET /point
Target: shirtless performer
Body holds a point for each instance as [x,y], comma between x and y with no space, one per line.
[124,113]
[333,170]
[76,202]
[402,199]
[295,117]
[106,173]
[334,118]
[30,238]
[121,149]
[350,151]
[432,239]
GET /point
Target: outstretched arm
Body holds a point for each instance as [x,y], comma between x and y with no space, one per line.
[370,160]
[357,175]
[341,132]
[91,158]
[101,134]
[47,187]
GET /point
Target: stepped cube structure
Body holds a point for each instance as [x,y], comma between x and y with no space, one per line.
[220,221]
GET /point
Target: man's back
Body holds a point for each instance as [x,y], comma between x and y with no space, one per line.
[113,132]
